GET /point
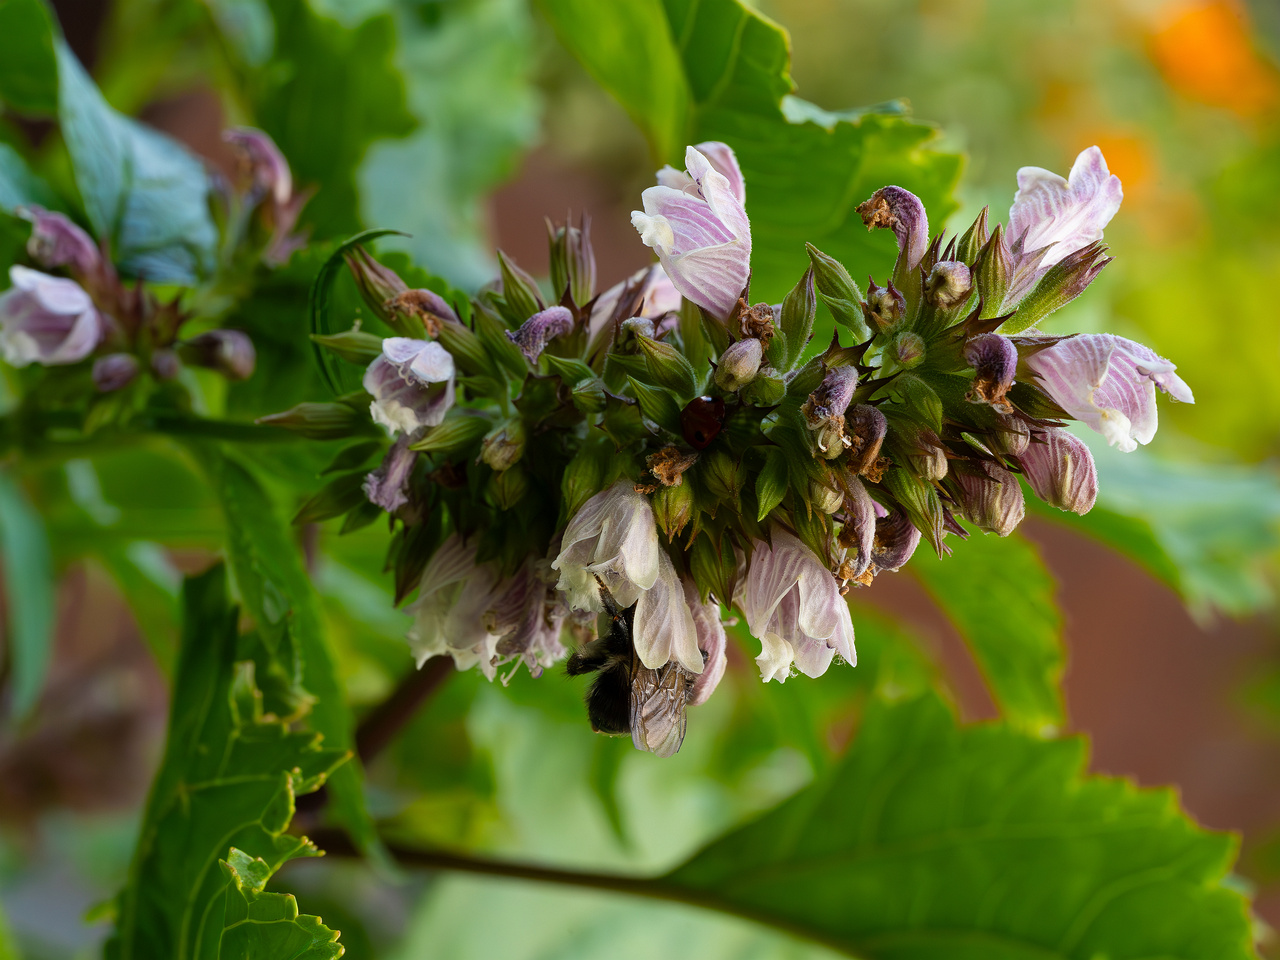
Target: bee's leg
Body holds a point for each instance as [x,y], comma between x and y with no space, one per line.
[610,605]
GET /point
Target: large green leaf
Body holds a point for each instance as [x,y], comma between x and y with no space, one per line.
[260,924]
[328,93]
[694,70]
[269,574]
[28,583]
[225,791]
[142,192]
[1207,531]
[469,72]
[932,841]
[28,64]
[1000,597]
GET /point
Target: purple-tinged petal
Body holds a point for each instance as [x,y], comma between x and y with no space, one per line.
[663,629]
[613,536]
[721,156]
[1060,469]
[896,539]
[449,613]
[901,211]
[701,234]
[412,385]
[793,605]
[387,486]
[1053,217]
[859,532]
[47,320]
[57,242]
[1108,383]
[711,641]
[115,371]
[230,352]
[536,332]
[266,164]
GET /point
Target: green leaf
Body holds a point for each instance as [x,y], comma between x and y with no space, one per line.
[228,780]
[28,586]
[143,192]
[341,378]
[270,576]
[470,72]
[933,841]
[28,63]
[18,185]
[694,70]
[334,92]
[1000,597]
[1209,531]
[261,924]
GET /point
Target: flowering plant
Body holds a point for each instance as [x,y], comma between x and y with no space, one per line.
[667,451]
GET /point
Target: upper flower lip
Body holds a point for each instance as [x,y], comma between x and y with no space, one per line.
[48,320]
[697,223]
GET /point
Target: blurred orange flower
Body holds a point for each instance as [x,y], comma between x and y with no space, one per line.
[1206,51]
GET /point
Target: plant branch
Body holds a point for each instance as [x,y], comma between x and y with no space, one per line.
[385,720]
[335,842]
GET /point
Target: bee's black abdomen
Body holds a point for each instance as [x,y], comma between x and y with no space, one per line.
[609,702]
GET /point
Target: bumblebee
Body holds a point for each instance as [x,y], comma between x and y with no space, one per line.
[627,697]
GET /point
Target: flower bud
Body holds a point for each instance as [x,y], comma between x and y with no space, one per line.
[47,320]
[262,161]
[901,211]
[115,371]
[631,330]
[824,498]
[989,495]
[230,352]
[388,485]
[57,242]
[504,446]
[1060,469]
[884,307]
[948,285]
[739,364]
[895,541]
[673,508]
[573,261]
[536,332]
[908,349]
[992,270]
[519,290]
[378,285]
[1011,438]
[354,345]
[995,362]
[589,396]
[838,292]
[927,455]
[423,306]
[1062,283]
[319,421]
[165,364]
[507,488]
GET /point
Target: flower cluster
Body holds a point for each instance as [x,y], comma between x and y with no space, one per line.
[620,468]
[131,335]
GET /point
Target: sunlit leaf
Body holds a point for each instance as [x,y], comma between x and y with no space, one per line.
[228,780]
[1000,597]
[689,71]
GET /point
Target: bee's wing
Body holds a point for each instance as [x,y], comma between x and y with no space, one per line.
[658,700]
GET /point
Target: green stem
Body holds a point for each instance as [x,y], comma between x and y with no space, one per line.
[336,843]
